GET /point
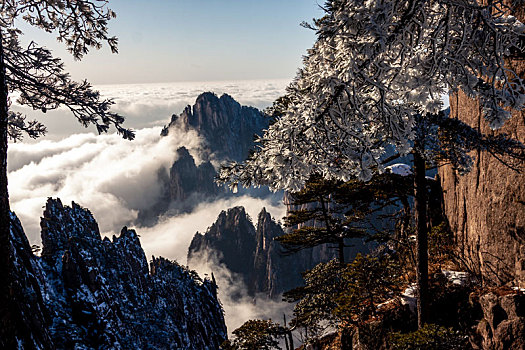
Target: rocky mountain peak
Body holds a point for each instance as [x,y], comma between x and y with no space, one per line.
[248,251]
[227,128]
[235,220]
[100,293]
[267,229]
[61,223]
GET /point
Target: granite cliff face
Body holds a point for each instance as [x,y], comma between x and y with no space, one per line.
[233,236]
[95,293]
[486,208]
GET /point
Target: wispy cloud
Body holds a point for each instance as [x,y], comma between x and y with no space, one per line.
[171,237]
[239,307]
[112,177]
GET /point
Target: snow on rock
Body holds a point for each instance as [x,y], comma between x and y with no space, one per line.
[409,297]
[459,278]
[399,169]
[100,294]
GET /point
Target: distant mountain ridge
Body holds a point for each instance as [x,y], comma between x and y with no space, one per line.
[93,293]
[228,131]
[252,252]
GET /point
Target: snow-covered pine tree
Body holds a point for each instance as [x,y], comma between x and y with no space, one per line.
[373,83]
[41,82]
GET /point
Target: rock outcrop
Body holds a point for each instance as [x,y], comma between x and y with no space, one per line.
[99,293]
[503,323]
[189,181]
[232,236]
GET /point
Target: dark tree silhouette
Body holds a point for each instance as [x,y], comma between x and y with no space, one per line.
[42,84]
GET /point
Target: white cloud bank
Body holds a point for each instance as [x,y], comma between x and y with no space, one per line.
[149,105]
[115,178]
[112,177]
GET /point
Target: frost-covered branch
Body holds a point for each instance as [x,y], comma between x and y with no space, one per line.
[375,67]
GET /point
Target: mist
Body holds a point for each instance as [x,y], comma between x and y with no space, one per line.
[115,179]
[238,305]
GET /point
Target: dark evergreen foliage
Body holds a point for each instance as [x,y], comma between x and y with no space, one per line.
[256,335]
[331,212]
[430,337]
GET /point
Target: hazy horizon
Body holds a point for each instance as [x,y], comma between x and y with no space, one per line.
[175,41]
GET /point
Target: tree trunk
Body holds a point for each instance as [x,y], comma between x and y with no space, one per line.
[405,221]
[420,195]
[6,331]
[341,251]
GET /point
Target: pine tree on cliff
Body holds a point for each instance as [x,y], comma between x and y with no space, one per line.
[42,84]
[329,211]
[372,84]
[319,218]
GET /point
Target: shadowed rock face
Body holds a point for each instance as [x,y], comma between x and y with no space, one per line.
[486,208]
[99,293]
[227,130]
[251,252]
[27,310]
[232,236]
[189,181]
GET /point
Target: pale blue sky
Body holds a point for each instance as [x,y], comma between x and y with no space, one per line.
[197,40]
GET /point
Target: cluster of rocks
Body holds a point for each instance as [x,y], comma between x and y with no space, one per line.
[503,324]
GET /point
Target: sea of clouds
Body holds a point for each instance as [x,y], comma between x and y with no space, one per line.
[116,178]
[150,105]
